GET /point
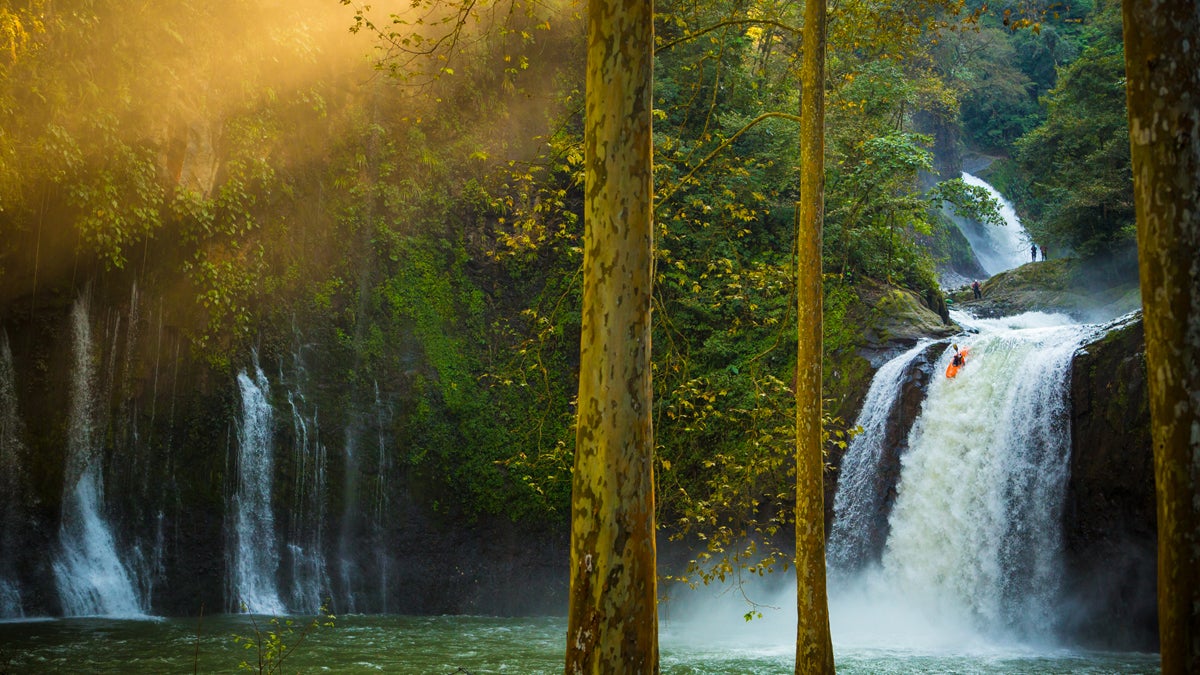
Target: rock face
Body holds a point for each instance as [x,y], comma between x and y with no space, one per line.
[1109,516]
[1064,286]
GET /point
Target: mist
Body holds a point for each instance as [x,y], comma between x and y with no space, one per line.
[193,134]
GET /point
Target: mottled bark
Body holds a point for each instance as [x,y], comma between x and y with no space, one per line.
[1163,90]
[814,649]
[613,619]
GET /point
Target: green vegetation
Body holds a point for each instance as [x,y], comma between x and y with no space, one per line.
[423,232]
[279,639]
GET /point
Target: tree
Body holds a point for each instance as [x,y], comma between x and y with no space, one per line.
[1163,78]
[1081,196]
[613,619]
[814,648]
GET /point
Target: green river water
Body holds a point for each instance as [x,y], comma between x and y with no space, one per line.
[476,645]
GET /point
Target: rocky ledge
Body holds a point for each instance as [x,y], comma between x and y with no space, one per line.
[1079,289]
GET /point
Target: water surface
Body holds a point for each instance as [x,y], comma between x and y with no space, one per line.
[464,644]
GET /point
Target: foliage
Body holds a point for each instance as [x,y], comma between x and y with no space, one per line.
[1077,165]
[427,238]
[278,640]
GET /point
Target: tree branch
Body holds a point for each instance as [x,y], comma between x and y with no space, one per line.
[724,144]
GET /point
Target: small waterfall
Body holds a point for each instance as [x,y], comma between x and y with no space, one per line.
[10,600]
[12,485]
[255,558]
[997,247]
[306,530]
[380,506]
[349,540]
[858,501]
[365,563]
[90,575]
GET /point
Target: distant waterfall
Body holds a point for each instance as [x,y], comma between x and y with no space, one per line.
[857,500]
[12,485]
[997,247]
[255,555]
[91,577]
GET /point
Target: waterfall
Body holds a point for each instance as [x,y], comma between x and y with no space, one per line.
[306,531]
[975,540]
[858,501]
[997,247]
[349,540]
[255,558]
[12,485]
[363,548]
[381,509]
[90,575]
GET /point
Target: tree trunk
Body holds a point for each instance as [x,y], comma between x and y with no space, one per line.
[1163,90]
[613,619]
[814,649]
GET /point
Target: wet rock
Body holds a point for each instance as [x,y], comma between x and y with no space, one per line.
[1109,515]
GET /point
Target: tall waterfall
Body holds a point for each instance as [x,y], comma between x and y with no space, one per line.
[255,556]
[306,522]
[12,484]
[380,508]
[997,247]
[857,500]
[90,575]
[975,545]
[364,556]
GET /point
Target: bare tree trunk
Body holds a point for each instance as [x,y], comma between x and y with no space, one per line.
[613,618]
[1163,90]
[814,648]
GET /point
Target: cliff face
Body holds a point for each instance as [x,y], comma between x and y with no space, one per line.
[1109,517]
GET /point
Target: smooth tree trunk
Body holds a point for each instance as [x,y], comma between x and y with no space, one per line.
[613,618]
[1162,63]
[814,648]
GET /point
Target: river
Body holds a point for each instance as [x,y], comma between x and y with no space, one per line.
[464,644]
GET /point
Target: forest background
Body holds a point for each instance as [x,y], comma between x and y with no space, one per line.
[407,225]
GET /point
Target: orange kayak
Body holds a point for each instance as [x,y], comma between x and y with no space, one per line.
[952,370]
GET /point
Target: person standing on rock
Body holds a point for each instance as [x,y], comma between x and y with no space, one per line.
[975,289]
[1033,252]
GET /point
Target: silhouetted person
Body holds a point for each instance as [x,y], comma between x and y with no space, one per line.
[1033,252]
[975,289]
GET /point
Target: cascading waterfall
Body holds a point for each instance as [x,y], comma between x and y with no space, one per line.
[857,500]
[348,572]
[997,247]
[363,551]
[90,575]
[306,531]
[12,485]
[381,510]
[975,538]
[255,558]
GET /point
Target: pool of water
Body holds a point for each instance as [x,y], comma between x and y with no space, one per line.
[475,645]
